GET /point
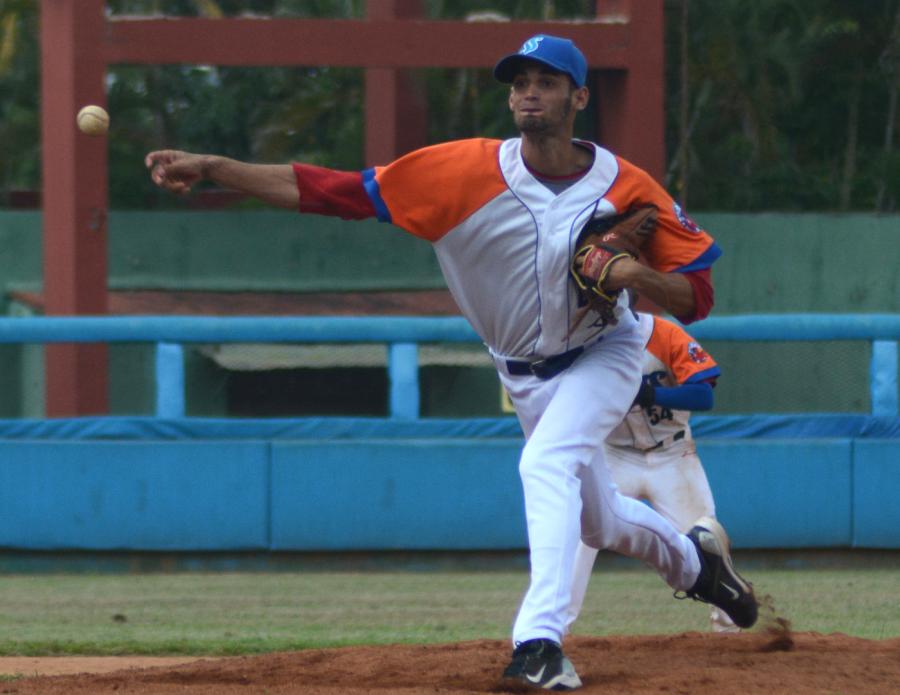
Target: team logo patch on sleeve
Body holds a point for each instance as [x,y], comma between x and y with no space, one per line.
[697,353]
[686,221]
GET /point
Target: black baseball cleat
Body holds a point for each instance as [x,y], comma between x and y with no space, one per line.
[718,583]
[540,663]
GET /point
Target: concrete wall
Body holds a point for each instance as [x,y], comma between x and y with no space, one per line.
[772,262]
[219,494]
[407,493]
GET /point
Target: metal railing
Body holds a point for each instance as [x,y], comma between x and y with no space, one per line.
[402,335]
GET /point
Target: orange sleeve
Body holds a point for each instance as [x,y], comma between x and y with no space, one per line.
[430,191]
[683,356]
[679,244]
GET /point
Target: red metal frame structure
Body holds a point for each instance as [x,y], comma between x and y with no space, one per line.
[624,46]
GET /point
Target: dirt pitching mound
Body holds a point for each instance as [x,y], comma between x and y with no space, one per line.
[690,663]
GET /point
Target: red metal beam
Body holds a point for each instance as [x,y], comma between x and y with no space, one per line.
[645,108]
[402,43]
[78,42]
[74,199]
[631,102]
[396,110]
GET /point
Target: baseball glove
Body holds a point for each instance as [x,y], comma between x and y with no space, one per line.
[602,242]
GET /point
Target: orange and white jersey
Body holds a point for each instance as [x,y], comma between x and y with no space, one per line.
[671,358]
[505,241]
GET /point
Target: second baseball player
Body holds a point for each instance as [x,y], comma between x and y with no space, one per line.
[652,454]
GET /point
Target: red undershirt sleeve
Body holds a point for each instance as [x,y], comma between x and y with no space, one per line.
[330,192]
[704,296]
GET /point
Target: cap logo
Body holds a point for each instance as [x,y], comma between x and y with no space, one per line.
[531,45]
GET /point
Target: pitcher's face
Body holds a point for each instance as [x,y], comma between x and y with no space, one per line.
[544,100]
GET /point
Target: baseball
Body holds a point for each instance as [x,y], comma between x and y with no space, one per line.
[92,120]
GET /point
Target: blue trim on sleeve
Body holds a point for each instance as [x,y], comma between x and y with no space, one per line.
[373,190]
[705,260]
[686,397]
[706,374]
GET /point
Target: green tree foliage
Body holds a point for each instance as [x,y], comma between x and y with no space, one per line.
[19,73]
[255,114]
[790,104]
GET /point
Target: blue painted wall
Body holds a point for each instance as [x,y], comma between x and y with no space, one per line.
[783,493]
[134,495]
[876,484]
[406,493]
[415,494]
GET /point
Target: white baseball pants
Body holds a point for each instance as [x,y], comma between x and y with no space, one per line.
[569,492]
[674,482]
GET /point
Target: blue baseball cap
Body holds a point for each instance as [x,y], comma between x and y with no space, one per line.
[553,51]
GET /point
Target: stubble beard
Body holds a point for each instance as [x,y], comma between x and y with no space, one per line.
[540,125]
[532,125]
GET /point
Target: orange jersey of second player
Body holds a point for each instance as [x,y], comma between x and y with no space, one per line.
[672,358]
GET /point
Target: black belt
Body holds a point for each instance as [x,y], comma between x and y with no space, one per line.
[668,440]
[545,368]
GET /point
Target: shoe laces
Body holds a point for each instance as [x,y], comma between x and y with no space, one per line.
[682,595]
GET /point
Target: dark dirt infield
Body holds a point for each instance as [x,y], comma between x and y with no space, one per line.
[689,663]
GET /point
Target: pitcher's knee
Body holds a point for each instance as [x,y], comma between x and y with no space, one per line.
[594,540]
[541,458]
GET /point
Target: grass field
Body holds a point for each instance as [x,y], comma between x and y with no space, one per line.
[253,612]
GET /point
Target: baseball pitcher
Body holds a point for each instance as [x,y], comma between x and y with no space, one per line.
[553,307]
